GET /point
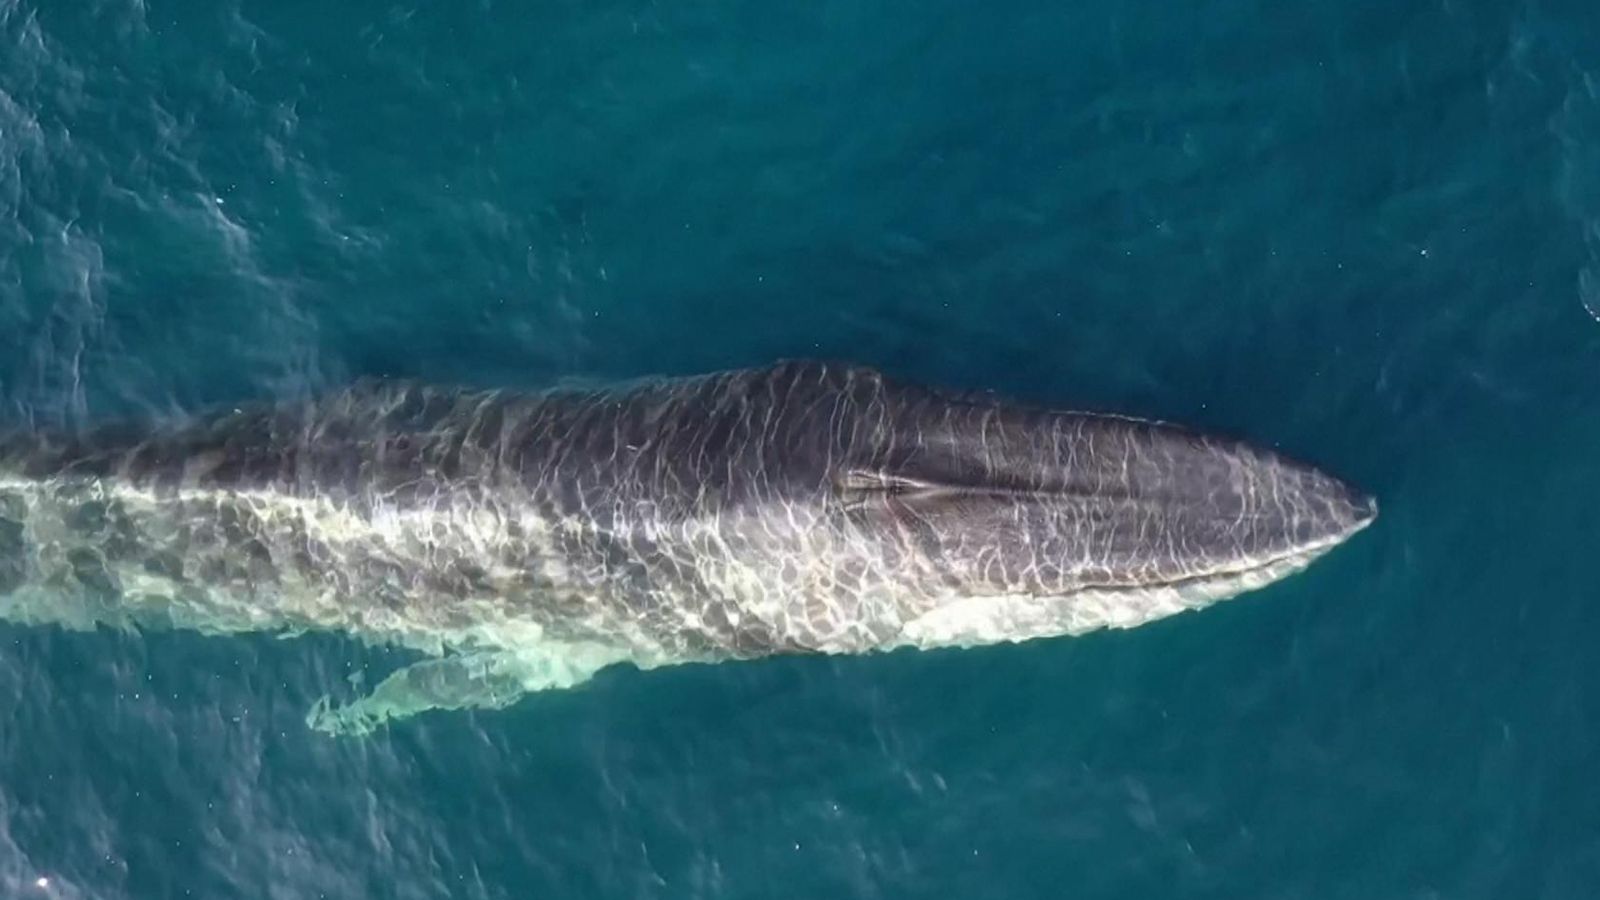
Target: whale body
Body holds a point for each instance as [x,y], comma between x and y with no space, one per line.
[525,540]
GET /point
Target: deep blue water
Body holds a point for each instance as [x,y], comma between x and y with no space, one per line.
[1366,233]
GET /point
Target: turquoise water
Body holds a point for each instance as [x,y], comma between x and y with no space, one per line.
[1368,234]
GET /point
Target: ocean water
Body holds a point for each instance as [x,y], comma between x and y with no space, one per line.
[1367,234]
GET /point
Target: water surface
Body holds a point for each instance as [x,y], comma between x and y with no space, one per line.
[1366,234]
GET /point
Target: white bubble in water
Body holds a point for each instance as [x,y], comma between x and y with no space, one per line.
[1589,290]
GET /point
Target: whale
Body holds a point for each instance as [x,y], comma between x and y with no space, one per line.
[524,540]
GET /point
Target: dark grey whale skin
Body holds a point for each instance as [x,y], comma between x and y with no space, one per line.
[803,506]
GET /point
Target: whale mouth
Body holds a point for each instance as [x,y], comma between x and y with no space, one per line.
[1013,618]
[1296,558]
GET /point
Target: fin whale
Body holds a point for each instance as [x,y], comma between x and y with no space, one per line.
[525,540]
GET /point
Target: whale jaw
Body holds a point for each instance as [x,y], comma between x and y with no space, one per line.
[1015,618]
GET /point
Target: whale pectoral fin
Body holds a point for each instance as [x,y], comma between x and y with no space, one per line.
[483,680]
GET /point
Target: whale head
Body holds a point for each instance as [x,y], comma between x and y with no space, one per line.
[1026,522]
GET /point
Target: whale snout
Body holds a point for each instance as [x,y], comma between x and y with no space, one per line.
[1316,509]
[1360,507]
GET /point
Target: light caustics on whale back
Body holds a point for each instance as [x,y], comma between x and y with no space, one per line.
[525,540]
